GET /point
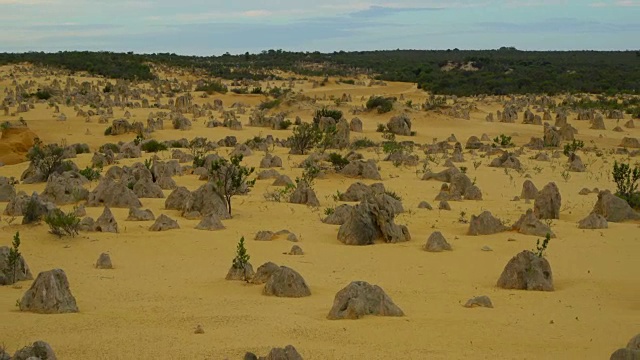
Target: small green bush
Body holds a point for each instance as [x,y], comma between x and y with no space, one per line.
[542,248]
[153,146]
[107,131]
[91,173]
[325,112]
[382,104]
[363,143]
[46,158]
[502,141]
[266,105]
[626,179]
[338,161]
[285,124]
[213,87]
[240,90]
[257,90]
[61,223]
[242,257]
[571,148]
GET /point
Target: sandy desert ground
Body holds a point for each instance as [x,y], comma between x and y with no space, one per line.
[164,284]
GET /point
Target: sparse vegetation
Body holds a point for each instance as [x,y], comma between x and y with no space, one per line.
[571,148]
[626,179]
[502,141]
[280,194]
[213,87]
[310,173]
[541,248]
[91,173]
[363,143]
[242,256]
[13,259]
[380,103]
[305,137]
[46,158]
[61,223]
[326,112]
[153,146]
[198,148]
[338,161]
[230,177]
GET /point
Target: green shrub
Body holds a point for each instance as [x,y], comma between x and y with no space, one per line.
[13,259]
[542,248]
[46,158]
[241,259]
[363,143]
[33,212]
[285,124]
[153,146]
[91,173]
[257,90]
[213,87]
[626,180]
[81,148]
[305,137]
[338,161]
[571,148]
[240,90]
[325,112]
[502,141]
[107,131]
[42,94]
[381,128]
[61,223]
[382,104]
[230,178]
[266,105]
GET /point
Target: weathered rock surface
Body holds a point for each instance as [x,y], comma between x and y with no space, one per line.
[437,243]
[104,262]
[527,271]
[164,223]
[286,282]
[8,275]
[485,224]
[529,224]
[547,202]
[137,214]
[49,294]
[359,299]
[106,222]
[371,220]
[613,208]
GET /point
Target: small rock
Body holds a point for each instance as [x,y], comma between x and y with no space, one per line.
[479,301]
[486,248]
[199,330]
[296,250]
[104,262]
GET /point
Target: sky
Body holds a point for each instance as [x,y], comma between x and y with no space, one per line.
[214,27]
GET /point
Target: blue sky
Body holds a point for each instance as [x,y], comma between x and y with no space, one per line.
[206,27]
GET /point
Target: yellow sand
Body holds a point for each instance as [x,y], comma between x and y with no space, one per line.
[164,284]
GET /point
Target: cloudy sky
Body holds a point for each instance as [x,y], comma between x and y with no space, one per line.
[205,27]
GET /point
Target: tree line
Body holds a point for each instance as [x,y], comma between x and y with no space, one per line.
[446,72]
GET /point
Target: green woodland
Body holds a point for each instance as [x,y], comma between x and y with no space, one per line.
[492,72]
